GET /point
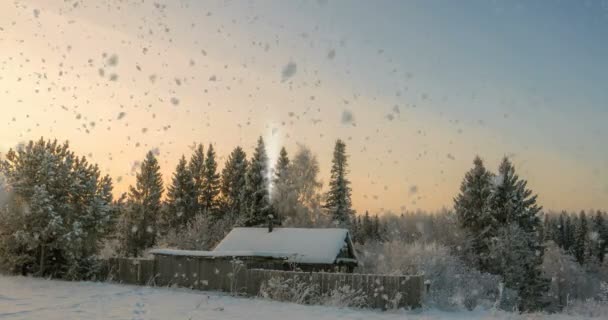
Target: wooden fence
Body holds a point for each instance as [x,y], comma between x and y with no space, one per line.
[383,292]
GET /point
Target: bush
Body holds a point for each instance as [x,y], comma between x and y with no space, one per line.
[569,280]
[200,234]
[453,285]
[589,308]
[290,290]
[346,296]
[299,291]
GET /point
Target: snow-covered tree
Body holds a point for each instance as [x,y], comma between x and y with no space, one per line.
[338,201]
[258,200]
[283,195]
[514,209]
[211,184]
[474,216]
[181,197]
[518,261]
[197,170]
[233,185]
[140,227]
[305,190]
[59,211]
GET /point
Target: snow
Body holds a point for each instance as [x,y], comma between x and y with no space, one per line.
[32,298]
[217,254]
[301,245]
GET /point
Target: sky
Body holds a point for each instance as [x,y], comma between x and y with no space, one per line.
[416,89]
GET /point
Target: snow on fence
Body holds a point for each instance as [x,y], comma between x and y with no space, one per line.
[382,291]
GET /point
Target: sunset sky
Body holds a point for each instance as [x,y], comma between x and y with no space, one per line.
[415,88]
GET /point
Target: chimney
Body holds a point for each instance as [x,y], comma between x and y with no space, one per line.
[270,218]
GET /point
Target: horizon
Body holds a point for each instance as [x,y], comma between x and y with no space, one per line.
[416,93]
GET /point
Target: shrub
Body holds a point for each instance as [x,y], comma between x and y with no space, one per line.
[453,285]
[290,290]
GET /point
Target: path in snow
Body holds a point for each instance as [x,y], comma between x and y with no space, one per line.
[31,298]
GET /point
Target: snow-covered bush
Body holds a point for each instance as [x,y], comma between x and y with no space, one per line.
[298,290]
[453,285]
[290,290]
[569,280]
[589,308]
[345,296]
[200,234]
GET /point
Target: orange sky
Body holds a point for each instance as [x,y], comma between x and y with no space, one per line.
[187,74]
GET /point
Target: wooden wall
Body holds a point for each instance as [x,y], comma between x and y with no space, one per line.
[233,277]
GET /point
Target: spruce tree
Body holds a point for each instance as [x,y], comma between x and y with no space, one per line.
[283,198]
[258,200]
[560,236]
[144,206]
[367,228]
[600,232]
[377,229]
[581,239]
[211,184]
[197,170]
[569,231]
[338,199]
[473,214]
[512,204]
[233,185]
[181,197]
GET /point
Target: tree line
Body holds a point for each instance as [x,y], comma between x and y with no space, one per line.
[59,210]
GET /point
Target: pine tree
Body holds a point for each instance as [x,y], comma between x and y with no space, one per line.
[233,185]
[197,170]
[581,239]
[181,197]
[59,211]
[338,201]
[283,198]
[211,184]
[473,214]
[258,199]
[144,207]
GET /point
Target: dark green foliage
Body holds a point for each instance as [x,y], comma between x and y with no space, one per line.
[233,185]
[209,201]
[338,201]
[471,207]
[258,200]
[197,170]
[181,197]
[141,220]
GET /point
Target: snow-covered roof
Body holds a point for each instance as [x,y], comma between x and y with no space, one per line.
[212,254]
[300,245]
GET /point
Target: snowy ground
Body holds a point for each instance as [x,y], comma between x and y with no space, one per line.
[29,298]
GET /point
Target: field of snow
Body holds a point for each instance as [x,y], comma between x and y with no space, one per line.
[30,298]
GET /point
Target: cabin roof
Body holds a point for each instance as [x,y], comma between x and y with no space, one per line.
[299,245]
